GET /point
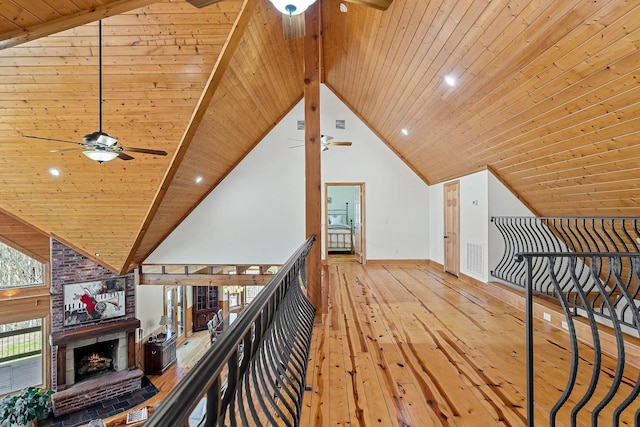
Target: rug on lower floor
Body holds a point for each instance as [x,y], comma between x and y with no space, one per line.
[104,409]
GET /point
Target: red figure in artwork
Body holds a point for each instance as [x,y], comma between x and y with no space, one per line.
[89,302]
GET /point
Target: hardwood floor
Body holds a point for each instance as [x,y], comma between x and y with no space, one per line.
[412,346]
[189,352]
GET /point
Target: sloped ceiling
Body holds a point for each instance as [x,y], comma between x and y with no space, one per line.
[547,94]
[547,98]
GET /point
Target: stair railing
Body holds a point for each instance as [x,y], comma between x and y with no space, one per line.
[579,281]
[254,373]
[570,235]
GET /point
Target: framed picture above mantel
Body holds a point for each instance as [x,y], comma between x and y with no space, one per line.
[94,301]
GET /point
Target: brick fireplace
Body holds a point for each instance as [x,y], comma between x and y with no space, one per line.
[96,359]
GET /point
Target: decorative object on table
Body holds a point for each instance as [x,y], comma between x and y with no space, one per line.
[24,408]
[138,415]
[164,322]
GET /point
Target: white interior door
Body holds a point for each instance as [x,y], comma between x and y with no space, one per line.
[452,228]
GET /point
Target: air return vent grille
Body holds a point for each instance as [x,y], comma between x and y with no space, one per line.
[475,258]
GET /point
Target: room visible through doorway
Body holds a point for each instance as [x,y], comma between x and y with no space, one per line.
[344,222]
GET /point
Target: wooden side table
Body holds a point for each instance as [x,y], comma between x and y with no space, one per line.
[159,355]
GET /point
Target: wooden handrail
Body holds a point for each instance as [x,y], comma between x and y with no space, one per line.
[280,315]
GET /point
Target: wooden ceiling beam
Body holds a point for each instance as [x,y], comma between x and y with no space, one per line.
[71,21]
[24,237]
[205,279]
[235,35]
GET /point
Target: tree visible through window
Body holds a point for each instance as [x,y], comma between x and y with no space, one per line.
[19,270]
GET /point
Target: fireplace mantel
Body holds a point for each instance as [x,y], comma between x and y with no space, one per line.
[62,339]
[65,337]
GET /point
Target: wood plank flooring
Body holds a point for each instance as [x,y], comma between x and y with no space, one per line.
[412,346]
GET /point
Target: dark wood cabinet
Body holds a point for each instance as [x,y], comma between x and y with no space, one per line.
[159,355]
[205,306]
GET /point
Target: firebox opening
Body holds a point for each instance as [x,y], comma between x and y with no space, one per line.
[95,360]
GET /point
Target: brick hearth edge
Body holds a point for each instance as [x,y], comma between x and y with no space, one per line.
[107,387]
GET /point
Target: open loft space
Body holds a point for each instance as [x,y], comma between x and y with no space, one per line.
[163,160]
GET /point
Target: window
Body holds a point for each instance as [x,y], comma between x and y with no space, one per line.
[21,357]
[19,270]
[252,292]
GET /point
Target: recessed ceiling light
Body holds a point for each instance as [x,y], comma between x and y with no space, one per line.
[343,8]
[54,172]
[450,80]
[405,132]
[198,180]
[97,254]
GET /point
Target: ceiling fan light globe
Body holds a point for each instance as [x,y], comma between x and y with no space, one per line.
[292,7]
[100,156]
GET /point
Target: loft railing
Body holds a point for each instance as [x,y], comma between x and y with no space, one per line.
[576,280]
[254,373]
[591,267]
[571,235]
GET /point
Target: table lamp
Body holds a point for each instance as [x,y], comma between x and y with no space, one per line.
[164,321]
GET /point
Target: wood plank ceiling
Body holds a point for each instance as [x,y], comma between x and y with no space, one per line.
[547,97]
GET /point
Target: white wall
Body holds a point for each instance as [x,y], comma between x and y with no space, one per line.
[149,307]
[502,202]
[256,215]
[481,197]
[396,200]
[436,223]
[474,223]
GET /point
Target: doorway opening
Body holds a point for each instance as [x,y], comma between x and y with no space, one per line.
[174,306]
[344,221]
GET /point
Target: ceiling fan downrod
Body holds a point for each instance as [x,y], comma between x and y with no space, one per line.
[100,70]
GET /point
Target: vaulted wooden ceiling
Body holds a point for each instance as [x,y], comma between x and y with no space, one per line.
[547,97]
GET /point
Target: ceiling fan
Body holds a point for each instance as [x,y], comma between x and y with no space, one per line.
[293,12]
[326,141]
[98,145]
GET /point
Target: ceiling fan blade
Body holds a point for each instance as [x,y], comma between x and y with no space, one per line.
[202,3]
[124,156]
[297,146]
[145,151]
[293,26]
[53,139]
[62,150]
[376,4]
[340,143]
[325,138]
